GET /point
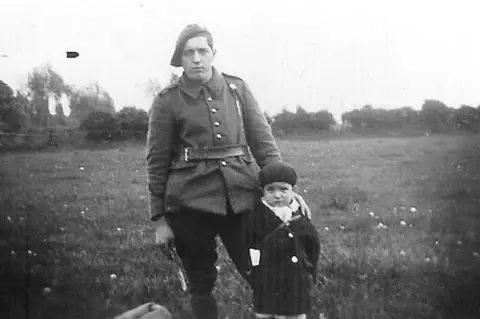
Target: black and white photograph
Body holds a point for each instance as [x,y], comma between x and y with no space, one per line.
[210,159]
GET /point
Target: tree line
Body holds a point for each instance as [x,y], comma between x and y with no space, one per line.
[92,110]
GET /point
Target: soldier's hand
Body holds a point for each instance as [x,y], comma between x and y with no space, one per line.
[304,209]
[163,232]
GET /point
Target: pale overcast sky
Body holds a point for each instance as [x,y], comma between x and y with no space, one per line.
[336,55]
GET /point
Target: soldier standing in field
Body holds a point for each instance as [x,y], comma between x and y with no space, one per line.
[206,136]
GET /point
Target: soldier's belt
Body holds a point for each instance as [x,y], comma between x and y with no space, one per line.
[189,154]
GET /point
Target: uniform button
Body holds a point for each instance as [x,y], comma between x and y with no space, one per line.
[209,99]
[294,259]
[217,124]
[219,136]
[223,163]
[214,110]
[290,235]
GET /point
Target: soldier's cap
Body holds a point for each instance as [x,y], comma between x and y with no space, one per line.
[190,31]
[277,172]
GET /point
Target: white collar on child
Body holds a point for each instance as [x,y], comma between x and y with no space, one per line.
[284,213]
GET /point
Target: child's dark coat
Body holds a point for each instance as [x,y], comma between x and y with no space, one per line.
[288,257]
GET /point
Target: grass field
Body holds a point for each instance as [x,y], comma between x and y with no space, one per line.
[399,221]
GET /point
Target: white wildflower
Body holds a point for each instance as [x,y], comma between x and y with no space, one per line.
[9,219]
[119,229]
[427,259]
[403,253]
[30,252]
[12,253]
[459,242]
[410,225]
[342,227]
[371,214]
[82,168]
[326,228]
[403,223]
[413,209]
[305,191]
[113,276]
[47,290]
[436,242]
[82,212]
[476,254]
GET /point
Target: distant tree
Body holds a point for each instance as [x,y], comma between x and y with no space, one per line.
[89,99]
[11,115]
[467,118]
[59,117]
[380,120]
[285,121]
[26,108]
[45,82]
[100,126]
[6,95]
[132,122]
[302,122]
[436,116]
[322,120]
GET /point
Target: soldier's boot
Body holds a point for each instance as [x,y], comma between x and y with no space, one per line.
[204,307]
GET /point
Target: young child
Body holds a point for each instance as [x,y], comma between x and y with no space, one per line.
[284,248]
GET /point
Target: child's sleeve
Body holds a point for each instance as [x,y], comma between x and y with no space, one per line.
[312,246]
[251,241]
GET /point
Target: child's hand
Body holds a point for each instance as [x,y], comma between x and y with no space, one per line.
[303,206]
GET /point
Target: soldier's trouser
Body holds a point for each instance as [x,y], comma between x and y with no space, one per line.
[195,233]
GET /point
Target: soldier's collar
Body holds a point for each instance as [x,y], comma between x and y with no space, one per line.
[215,85]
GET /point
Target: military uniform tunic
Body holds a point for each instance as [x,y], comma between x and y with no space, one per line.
[187,115]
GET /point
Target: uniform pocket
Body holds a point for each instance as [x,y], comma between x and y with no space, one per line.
[179,177]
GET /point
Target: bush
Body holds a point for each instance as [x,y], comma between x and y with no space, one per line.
[133,123]
[302,122]
[100,126]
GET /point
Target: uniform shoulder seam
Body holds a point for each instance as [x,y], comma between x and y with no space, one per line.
[167,89]
[232,76]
